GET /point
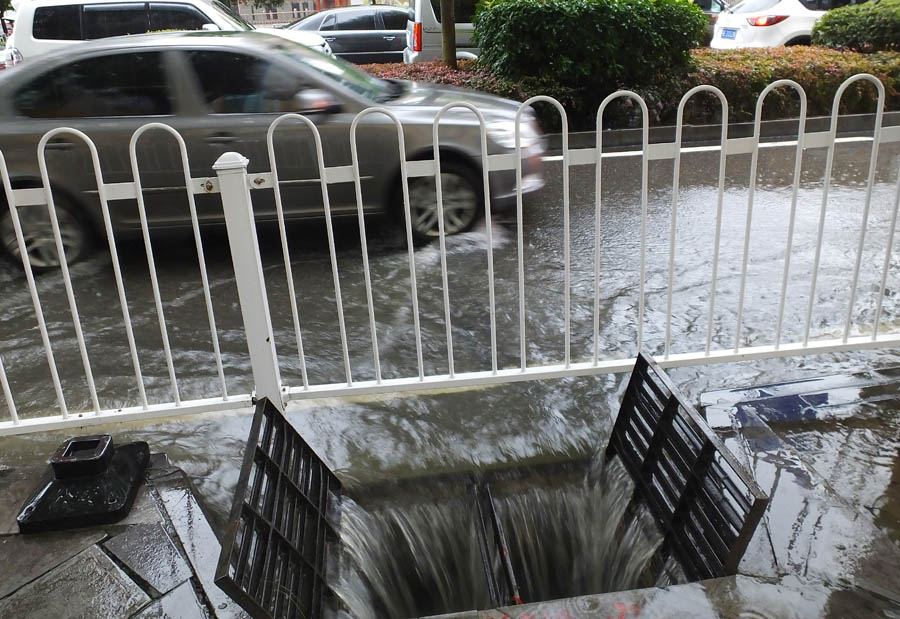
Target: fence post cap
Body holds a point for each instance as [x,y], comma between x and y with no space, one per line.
[231,161]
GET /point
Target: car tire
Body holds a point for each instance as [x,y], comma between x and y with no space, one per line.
[463,199]
[40,243]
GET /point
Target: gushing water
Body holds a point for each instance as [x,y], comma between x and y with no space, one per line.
[411,560]
[564,539]
[574,539]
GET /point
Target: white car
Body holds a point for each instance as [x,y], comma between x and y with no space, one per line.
[770,23]
[46,25]
[423,33]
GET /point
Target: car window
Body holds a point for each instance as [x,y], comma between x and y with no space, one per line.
[57,22]
[310,23]
[395,20]
[112,20]
[463,10]
[176,17]
[235,21]
[234,83]
[754,6]
[328,24]
[356,20]
[132,84]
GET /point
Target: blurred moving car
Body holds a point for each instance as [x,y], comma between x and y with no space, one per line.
[423,32]
[770,23]
[45,25]
[361,34]
[221,91]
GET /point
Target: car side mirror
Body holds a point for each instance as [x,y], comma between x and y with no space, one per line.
[210,28]
[315,101]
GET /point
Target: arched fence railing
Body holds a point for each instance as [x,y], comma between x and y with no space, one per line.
[506,352]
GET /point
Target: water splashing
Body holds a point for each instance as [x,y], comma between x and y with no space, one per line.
[568,534]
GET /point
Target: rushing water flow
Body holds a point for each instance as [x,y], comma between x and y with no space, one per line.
[574,540]
[414,559]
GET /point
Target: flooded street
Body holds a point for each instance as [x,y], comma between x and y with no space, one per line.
[370,438]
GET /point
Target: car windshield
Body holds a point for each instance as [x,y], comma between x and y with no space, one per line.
[346,74]
[754,6]
[234,20]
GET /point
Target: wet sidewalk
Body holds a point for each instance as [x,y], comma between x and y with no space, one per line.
[824,549]
[158,562]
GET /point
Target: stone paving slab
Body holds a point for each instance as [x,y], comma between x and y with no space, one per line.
[87,586]
[149,553]
[197,538]
[180,603]
[18,485]
[24,558]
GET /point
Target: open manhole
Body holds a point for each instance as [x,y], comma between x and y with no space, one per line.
[664,502]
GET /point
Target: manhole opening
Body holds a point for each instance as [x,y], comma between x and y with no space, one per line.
[664,502]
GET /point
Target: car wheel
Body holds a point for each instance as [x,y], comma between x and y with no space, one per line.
[461,191]
[38,234]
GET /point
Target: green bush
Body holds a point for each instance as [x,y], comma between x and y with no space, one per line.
[870,27]
[595,45]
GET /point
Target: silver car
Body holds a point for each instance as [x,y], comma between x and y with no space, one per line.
[221,91]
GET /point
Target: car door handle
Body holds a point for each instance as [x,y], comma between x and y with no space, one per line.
[329,39]
[221,138]
[389,38]
[59,145]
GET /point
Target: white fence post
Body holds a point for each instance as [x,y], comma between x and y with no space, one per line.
[231,168]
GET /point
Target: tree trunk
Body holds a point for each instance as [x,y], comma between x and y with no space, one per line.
[448,33]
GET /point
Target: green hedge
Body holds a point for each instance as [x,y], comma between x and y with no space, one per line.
[740,74]
[586,44]
[869,27]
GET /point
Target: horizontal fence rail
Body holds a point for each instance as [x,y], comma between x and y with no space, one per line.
[850,334]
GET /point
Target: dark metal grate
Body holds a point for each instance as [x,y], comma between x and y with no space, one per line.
[274,560]
[706,503]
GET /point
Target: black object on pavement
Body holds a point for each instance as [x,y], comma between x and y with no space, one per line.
[90,482]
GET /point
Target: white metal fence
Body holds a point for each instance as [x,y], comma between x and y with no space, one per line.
[233,183]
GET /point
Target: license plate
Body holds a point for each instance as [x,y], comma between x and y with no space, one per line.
[729,33]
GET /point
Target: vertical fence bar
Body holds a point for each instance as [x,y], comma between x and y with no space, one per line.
[887,260]
[404,183]
[443,245]
[870,181]
[285,251]
[679,126]
[231,168]
[829,162]
[723,154]
[32,287]
[645,158]
[198,242]
[754,160]
[329,227]
[7,394]
[520,237]
[795,188]
[357,183]
[487,216]
[63,261]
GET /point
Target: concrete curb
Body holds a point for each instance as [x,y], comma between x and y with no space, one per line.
[617,139]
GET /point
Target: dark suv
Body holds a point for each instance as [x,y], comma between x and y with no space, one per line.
[361,34]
